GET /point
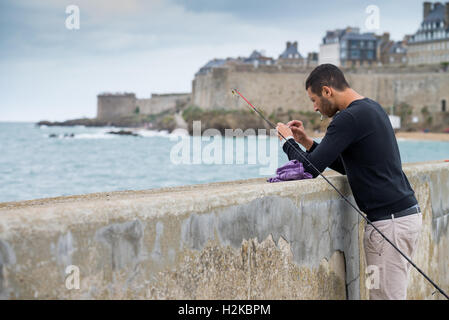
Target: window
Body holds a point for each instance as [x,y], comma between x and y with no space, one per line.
[443,105]
[370,55]
[355,54]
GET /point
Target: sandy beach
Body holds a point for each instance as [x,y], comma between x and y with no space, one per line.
[423,136]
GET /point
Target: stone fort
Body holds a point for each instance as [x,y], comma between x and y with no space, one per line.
[272,87]
[111,106]
[280,87]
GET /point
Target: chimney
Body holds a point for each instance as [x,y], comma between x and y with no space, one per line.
[427,9]
[295,44]
[446,15]
[288,44]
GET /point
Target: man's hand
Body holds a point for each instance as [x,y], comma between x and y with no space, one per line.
[299,133]
[298,130]
[284,130]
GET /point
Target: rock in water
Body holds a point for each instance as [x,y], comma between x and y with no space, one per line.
[124,133]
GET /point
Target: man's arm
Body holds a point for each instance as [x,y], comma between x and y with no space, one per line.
[341,132]
[337,165]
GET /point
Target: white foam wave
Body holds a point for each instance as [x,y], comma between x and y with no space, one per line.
[103,133]
[162,133]
[97,135]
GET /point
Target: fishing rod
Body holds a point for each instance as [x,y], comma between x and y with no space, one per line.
[295,148]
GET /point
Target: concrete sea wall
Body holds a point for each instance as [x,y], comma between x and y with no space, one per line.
[236,240]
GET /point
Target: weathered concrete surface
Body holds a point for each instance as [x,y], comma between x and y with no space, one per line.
[237,240]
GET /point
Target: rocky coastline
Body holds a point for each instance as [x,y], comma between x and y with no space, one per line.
[222,119]
[219,119]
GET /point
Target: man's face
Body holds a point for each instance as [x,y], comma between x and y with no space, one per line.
[322,104]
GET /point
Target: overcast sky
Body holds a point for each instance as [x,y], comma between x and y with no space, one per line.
[50,72]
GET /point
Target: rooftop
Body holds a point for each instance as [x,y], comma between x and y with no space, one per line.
[291,51]
[359,36]
[350,33]
[436,14]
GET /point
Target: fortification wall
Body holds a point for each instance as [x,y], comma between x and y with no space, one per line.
[239,240]
[113,106]
[271,88]
[162,102]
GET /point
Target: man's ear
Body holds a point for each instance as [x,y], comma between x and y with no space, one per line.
[326,91]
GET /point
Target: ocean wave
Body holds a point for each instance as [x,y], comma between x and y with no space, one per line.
[101,133]
[162,133]
[104,133]
[97,135]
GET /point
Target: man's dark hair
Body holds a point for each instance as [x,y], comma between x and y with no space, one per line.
[326,75]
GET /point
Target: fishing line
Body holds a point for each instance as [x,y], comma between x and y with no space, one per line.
[295,148]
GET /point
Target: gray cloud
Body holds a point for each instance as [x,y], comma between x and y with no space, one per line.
[153,46]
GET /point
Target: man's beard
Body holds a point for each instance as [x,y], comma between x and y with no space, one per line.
[327,107]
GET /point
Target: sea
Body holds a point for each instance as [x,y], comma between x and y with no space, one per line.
[40,161]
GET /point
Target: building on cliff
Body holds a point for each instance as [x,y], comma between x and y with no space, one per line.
[391,52]
[258,58]
[291,55]
[312,59]
[348,48]
[430,44]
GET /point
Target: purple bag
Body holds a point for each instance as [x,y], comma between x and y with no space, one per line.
[292,170]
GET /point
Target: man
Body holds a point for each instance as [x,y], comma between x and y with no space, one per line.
[360,143]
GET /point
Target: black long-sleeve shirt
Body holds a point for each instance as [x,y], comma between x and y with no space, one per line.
[360,143]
